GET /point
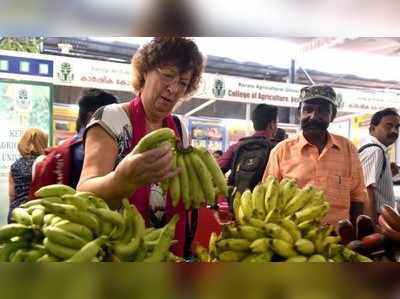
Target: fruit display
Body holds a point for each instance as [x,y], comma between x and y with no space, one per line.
[278,221]
[200,179]
[65,225]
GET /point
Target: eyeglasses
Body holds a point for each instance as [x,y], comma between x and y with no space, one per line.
[169,77]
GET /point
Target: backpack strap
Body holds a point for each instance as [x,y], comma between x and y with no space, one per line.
[365,146]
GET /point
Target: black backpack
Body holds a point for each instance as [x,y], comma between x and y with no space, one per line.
[249,162]
[383,153]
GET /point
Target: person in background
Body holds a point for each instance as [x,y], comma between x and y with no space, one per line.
[217,154]
[164,71]
[63,163]
[31,145]
[374,157]
[316,157]
[264,118]
[279,136]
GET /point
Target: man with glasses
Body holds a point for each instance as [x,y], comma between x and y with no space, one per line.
[316,157]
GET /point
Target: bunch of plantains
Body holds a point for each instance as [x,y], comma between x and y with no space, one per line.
[278,222]
[200,179]
[65,225]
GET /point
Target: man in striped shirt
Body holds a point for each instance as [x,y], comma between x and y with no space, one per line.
[384,131]
[316,157]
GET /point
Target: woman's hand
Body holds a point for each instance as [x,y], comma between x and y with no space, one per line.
[140,169]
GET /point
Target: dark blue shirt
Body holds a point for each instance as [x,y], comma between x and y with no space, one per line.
[78,152]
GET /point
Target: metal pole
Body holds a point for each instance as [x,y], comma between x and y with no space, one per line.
[248,111]
[292,71]
[209,102]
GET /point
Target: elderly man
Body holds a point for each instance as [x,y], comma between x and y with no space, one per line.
[316,157]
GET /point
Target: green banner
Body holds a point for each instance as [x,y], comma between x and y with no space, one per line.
[23,105]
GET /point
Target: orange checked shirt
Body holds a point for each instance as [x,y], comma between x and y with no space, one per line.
[337,171]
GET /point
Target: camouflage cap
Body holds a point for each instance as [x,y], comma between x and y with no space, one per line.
[323,92]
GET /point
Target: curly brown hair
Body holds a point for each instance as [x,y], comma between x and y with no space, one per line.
[179,51]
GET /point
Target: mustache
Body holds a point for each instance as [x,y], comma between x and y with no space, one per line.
[314,124]
[394,136]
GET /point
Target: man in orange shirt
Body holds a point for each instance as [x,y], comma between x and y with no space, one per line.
[316,157]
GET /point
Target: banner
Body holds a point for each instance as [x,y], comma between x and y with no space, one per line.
[22,106]
[65,117]
[240,89]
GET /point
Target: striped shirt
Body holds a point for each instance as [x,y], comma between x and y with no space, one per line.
[336,170]
[372,162]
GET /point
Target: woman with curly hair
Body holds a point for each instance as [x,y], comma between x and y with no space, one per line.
[164,71]
[31,145]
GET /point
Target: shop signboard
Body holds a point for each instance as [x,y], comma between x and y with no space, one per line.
[92,73]
[23,105]
[209,133]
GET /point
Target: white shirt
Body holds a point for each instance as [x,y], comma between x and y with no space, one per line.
[372,162]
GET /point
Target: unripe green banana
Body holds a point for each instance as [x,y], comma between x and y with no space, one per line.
[124,250]
[31,203]
[48,258]
[230,231]
[129,229]
[20,215]
[89,251]
[175,185]
[301,198]
[81,203]
[10,247]
[216,172]
[184,181]
[291,228]
[317,258]
[362,259]
[154,138]
[58,250]
[307,225]
[54,191]
[162,247]
[258,197]
[276,231]
[55,220]
[282,248]
[112,217]
[18,256]
[72,214]
[212,245]
[249,232]
[37,217]
[304,246]
[77,229]
[311,234]
[97,202]
[246,205]
[64,238]
[258,257]
[334,250]
[153,235]
[15,230]
[32,255]
[205,178]
[30,209]
[231,256]
[349,255]
[297,259]
[196,193]
[260,245]
[311,213]
[84,194]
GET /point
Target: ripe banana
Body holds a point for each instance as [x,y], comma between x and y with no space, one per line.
[231,256]
[273,216]
[288,190]
[299,200]
[304,246]
[297,259]
[236,204]
[317,258]
[282,248]
[259,257]
[54,191]
[276,231]
[271,200]
[237,244]
[291,228]
[311,213]
[256,223]
[257,198]
[249,232]
[246,205]
[260,245]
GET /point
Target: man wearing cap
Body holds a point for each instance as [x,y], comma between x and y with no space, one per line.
[316,157]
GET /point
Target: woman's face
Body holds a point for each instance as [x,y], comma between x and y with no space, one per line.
[162,89]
